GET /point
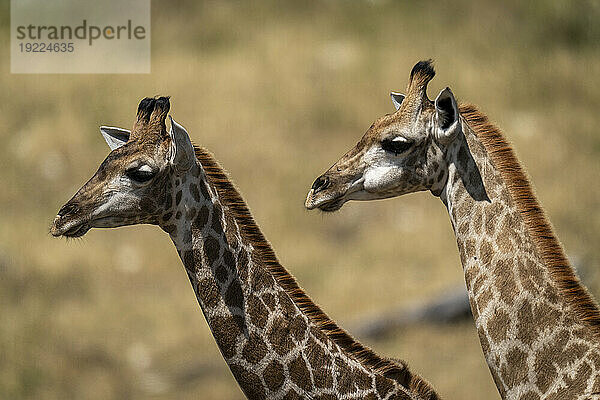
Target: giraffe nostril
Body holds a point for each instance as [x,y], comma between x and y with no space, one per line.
[69,208]
[321,183]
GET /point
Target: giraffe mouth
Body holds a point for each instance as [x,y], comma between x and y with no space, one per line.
[324,204]
[72,229]
[77,231]
[78,228]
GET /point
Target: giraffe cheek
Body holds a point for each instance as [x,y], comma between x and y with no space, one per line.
[383,180]
[377,178]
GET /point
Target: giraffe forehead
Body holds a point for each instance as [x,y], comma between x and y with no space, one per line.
[381,128]
[384,124]
[399,123]
[131,153]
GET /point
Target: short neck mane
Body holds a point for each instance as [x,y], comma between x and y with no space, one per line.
[538,226]
[232,200]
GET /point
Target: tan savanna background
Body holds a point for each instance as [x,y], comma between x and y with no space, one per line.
[278,91]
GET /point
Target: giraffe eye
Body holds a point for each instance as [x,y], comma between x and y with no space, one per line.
[141,174]
[397,145]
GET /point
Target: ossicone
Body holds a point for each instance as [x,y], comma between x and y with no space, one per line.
[153,108]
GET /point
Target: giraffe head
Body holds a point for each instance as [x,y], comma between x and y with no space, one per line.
[133,184]
[400,153]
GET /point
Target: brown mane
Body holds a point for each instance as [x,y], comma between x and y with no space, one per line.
[537,224]
[231,198]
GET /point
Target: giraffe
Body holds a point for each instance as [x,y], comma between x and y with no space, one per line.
[277,343]
[538,326]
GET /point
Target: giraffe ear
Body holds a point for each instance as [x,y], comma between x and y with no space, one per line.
[182,153]
[115,137]
[397,99]
[447,117]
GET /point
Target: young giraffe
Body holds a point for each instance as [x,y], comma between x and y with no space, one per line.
[276,341]
[538,326]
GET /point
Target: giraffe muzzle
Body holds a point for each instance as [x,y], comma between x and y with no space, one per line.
[319,197]
[65,226]
[68,223]
[331,191]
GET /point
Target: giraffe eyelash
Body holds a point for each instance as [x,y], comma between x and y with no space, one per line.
[141,174]
[396,145]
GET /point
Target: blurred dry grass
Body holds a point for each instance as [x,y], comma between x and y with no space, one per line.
[278,91]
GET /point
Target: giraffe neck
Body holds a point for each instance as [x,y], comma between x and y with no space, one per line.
[272,347]
[533,337]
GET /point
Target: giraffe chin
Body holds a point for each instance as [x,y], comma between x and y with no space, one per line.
[333,205]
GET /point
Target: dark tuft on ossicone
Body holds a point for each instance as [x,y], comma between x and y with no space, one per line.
[423,69]
[162,104]
[151,104]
